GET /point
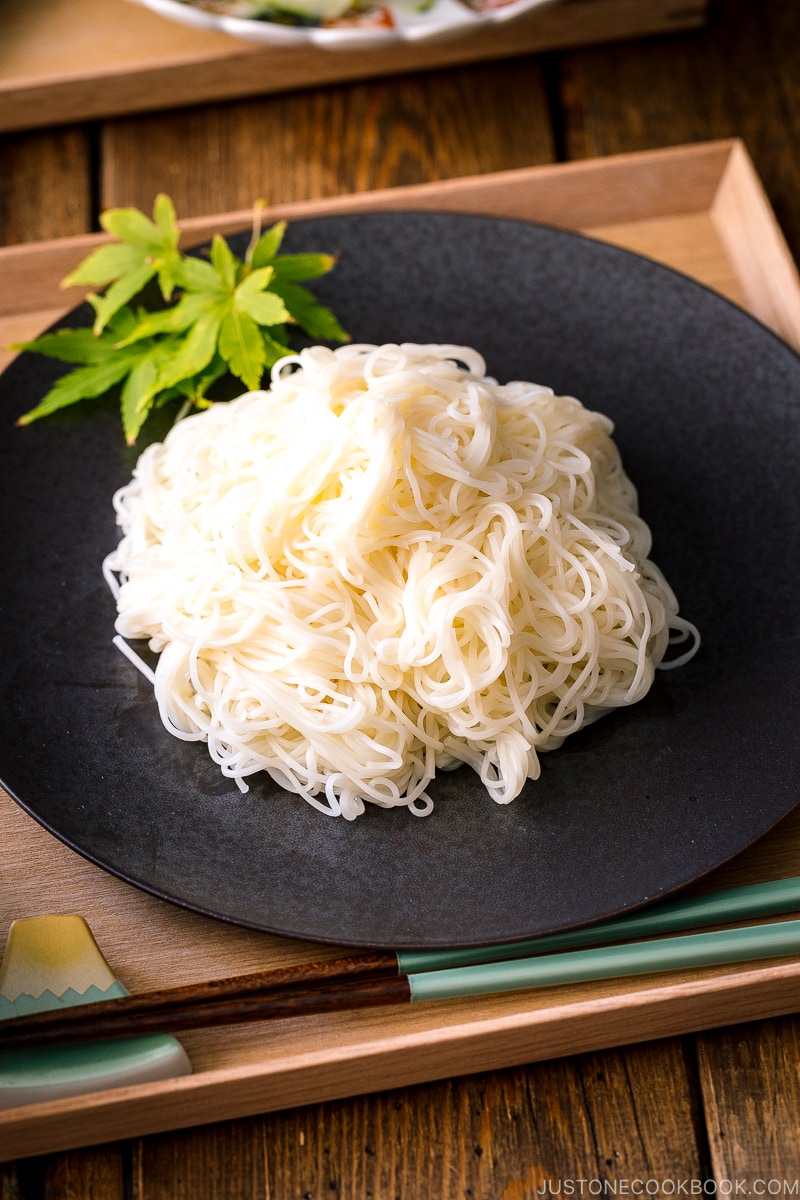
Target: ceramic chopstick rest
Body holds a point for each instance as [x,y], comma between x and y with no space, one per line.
[54,962]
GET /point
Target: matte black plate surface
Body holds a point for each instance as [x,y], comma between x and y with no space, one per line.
[706,405]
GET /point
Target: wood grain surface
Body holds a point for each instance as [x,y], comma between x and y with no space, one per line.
[356,138]
[705,1109]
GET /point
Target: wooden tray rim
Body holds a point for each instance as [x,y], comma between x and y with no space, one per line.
[588,1024]
[581,1018]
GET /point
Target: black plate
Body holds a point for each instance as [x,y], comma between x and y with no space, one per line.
[705,402]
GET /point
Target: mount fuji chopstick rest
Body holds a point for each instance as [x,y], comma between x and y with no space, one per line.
[53,962]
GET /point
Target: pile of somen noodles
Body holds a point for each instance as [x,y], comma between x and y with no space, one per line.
[388,565]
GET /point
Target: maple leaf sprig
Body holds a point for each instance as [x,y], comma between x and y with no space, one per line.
[220,316]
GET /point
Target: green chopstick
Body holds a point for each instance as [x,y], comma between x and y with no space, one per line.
[716,908]
[726,946]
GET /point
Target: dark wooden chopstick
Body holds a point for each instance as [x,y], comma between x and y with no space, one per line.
[372,964]
[134,1016]
[236,996]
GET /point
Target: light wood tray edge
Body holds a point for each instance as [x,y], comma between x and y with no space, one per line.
[661,1009]
[600,196]
[717,179]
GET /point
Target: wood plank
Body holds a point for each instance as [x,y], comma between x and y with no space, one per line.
[63,60]
[626,1114]
[77,1175]
[45,185]
[87,1173]
[640,1107]
[751,1092]
[216,1162]
[349,139]
[697,87]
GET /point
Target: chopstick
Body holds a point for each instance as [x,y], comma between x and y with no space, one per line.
[372,978]
[114,1018]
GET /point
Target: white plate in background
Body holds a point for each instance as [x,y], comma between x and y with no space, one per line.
[386,21]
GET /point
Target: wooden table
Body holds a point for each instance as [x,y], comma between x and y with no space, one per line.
[665,1117]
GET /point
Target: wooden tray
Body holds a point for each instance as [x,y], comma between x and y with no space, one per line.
[69,60]
[700,209]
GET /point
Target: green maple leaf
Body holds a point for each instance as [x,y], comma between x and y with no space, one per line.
[139,392]
[192,352]
[146,249]
[104,366]
[317,320]
[262,250]
[222,316]
[274,348]
[194,388]
[298,268]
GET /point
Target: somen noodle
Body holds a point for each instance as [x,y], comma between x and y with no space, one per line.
[387,565]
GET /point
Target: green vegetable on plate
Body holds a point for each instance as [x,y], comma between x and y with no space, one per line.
[209,318]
